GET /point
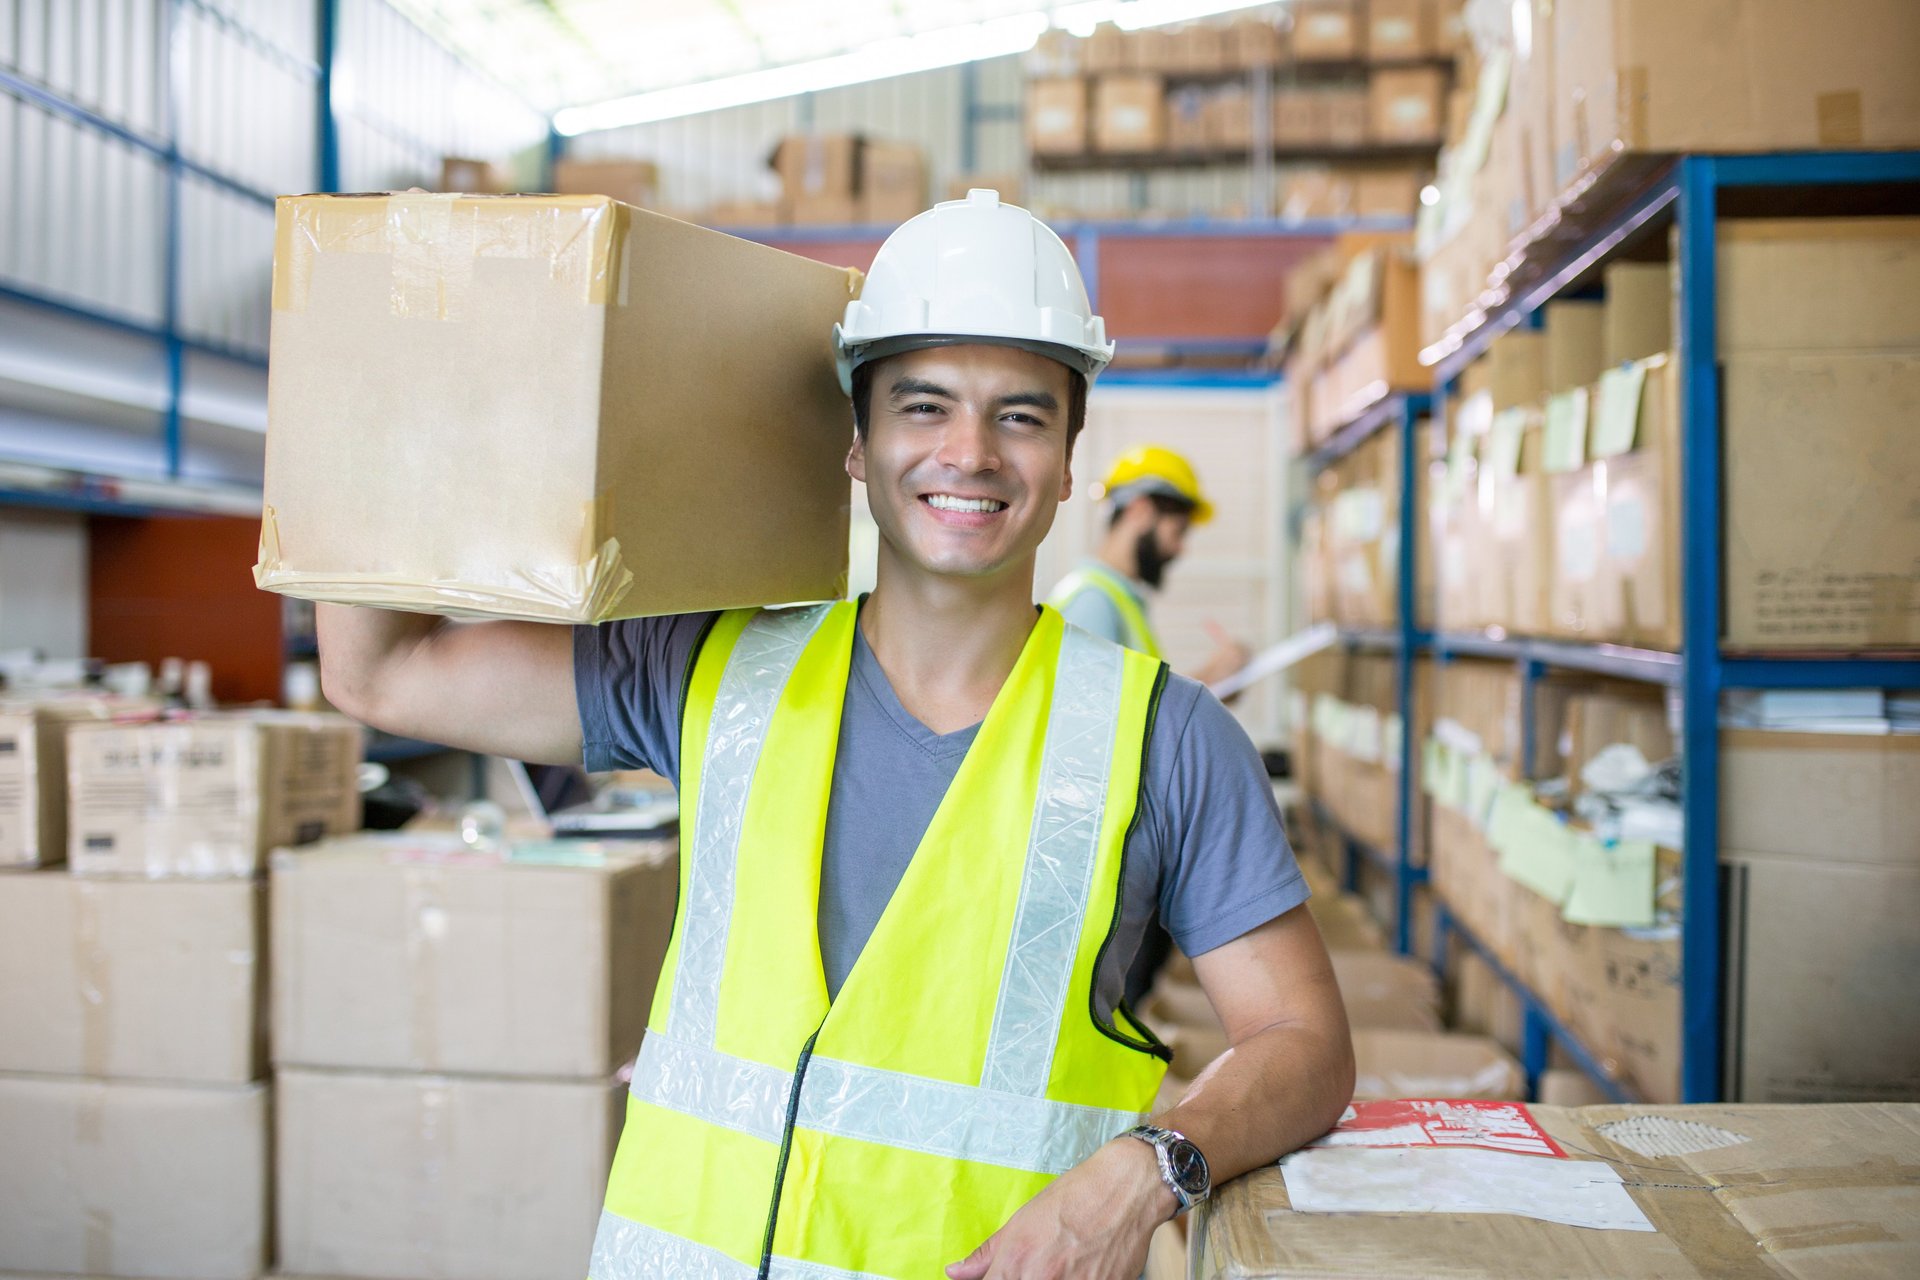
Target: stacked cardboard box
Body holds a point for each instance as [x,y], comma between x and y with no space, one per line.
[447,1032]
[1359,341]
[1350,538]
[843,179]
[33,773]
[1680,1193]
[1354,745]
[630,181]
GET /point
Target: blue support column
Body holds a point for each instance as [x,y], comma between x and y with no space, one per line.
[1536,1039]
[174,431]
[1408,597]
[1700,470]
[327,151]
[555,152]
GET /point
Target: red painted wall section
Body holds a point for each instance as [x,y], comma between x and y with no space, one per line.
[182,587]
[1160,286]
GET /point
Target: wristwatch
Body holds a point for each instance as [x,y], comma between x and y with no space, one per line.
[1182,1167]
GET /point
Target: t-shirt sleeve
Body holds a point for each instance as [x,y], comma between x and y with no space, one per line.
[627,678]
[1226,865]
[1090,610]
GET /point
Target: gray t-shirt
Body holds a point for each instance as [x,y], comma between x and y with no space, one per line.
[1207,853]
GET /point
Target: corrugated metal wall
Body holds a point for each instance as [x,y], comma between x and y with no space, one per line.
[84,206]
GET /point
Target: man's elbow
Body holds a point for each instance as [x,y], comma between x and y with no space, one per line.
[349,691]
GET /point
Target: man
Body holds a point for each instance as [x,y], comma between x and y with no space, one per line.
[920,834]
[1153,497]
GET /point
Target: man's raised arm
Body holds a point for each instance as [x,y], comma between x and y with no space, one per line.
[503,688]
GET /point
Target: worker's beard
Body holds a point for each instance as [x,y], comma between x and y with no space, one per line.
[1150,562]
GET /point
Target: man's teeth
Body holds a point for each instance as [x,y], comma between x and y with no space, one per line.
[947,502]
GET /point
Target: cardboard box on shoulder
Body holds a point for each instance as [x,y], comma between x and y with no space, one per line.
[459,347]
[119,1179]
[1834,1183]
[1820,351]
[33,775]
[1405,104]
[1701,75]
[1400,30]
[1818,832]
[161,981]
[391,955]
[635,182]
[1057,116]
[207,795]
[1129,113]
[1326,31]
[405,1175]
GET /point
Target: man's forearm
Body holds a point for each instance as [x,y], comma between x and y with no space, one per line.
[1273,1092]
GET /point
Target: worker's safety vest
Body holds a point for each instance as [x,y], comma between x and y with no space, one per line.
[1097,578]
[964,1064]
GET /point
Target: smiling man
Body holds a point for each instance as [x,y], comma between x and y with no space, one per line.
[922,834]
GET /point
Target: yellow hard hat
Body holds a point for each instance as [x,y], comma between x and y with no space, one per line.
[1152,468]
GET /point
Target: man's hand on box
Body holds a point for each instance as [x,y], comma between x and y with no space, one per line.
[1093,1223]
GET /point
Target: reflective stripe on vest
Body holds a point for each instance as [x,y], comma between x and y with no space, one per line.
[961,1068]
[1099,578]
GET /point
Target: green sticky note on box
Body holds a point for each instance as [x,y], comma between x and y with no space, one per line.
[1483,784]
[1611,886]
[1565,444]
[1506,820]
[1502,451]
[1432,761]
[1541,855]
[1616,416]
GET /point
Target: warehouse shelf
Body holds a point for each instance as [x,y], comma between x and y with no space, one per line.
[1097,161]
[1542,1030]
[1613,212]
[1371,639]
[1384,412]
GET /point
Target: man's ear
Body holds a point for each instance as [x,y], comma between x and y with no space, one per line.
[1066,481]
[857,458]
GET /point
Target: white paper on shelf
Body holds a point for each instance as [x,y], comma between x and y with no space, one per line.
[1576,1193]
[1267,662]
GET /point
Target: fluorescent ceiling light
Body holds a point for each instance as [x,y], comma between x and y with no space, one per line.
[882,59]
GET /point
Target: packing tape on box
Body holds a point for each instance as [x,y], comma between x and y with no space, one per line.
[91,963]
[434,241]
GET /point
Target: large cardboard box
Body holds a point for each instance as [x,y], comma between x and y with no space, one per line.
[118,1179]
[1405,104]
[207,795]
[1819,831]
[157,980]
[1326,31]
[1820,344]
[33,777]
[1057,116]
[1199,48]
[391,953]
[1187,119]
[530,427]
[1789,1192]
[1574,344]
[1300,118]
[1706,75]
[634,182]
[1129,112]
[426,1177]
[1349,117]
[1400,30]
[1433,1064]
[1636,598]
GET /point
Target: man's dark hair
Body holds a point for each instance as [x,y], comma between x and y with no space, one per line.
[1163,503]
[1076,401]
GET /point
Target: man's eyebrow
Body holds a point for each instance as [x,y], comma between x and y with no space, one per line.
[1037,399]
[920,387]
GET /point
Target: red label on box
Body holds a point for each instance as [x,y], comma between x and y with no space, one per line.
[1497,1126]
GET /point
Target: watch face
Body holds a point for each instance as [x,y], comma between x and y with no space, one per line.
[1189,1167]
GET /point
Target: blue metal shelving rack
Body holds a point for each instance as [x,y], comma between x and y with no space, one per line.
[1685,193]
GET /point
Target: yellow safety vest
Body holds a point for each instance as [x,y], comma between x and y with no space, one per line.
[963,1066]
[1102,579]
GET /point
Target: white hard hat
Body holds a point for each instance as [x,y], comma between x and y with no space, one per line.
[968,271]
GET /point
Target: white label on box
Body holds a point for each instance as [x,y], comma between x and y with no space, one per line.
[1409,111]
[1393,31]
[1052,120]
[1657,1136]
[1130,119]
[1327,26]
[1577,1193]
[1626,526]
